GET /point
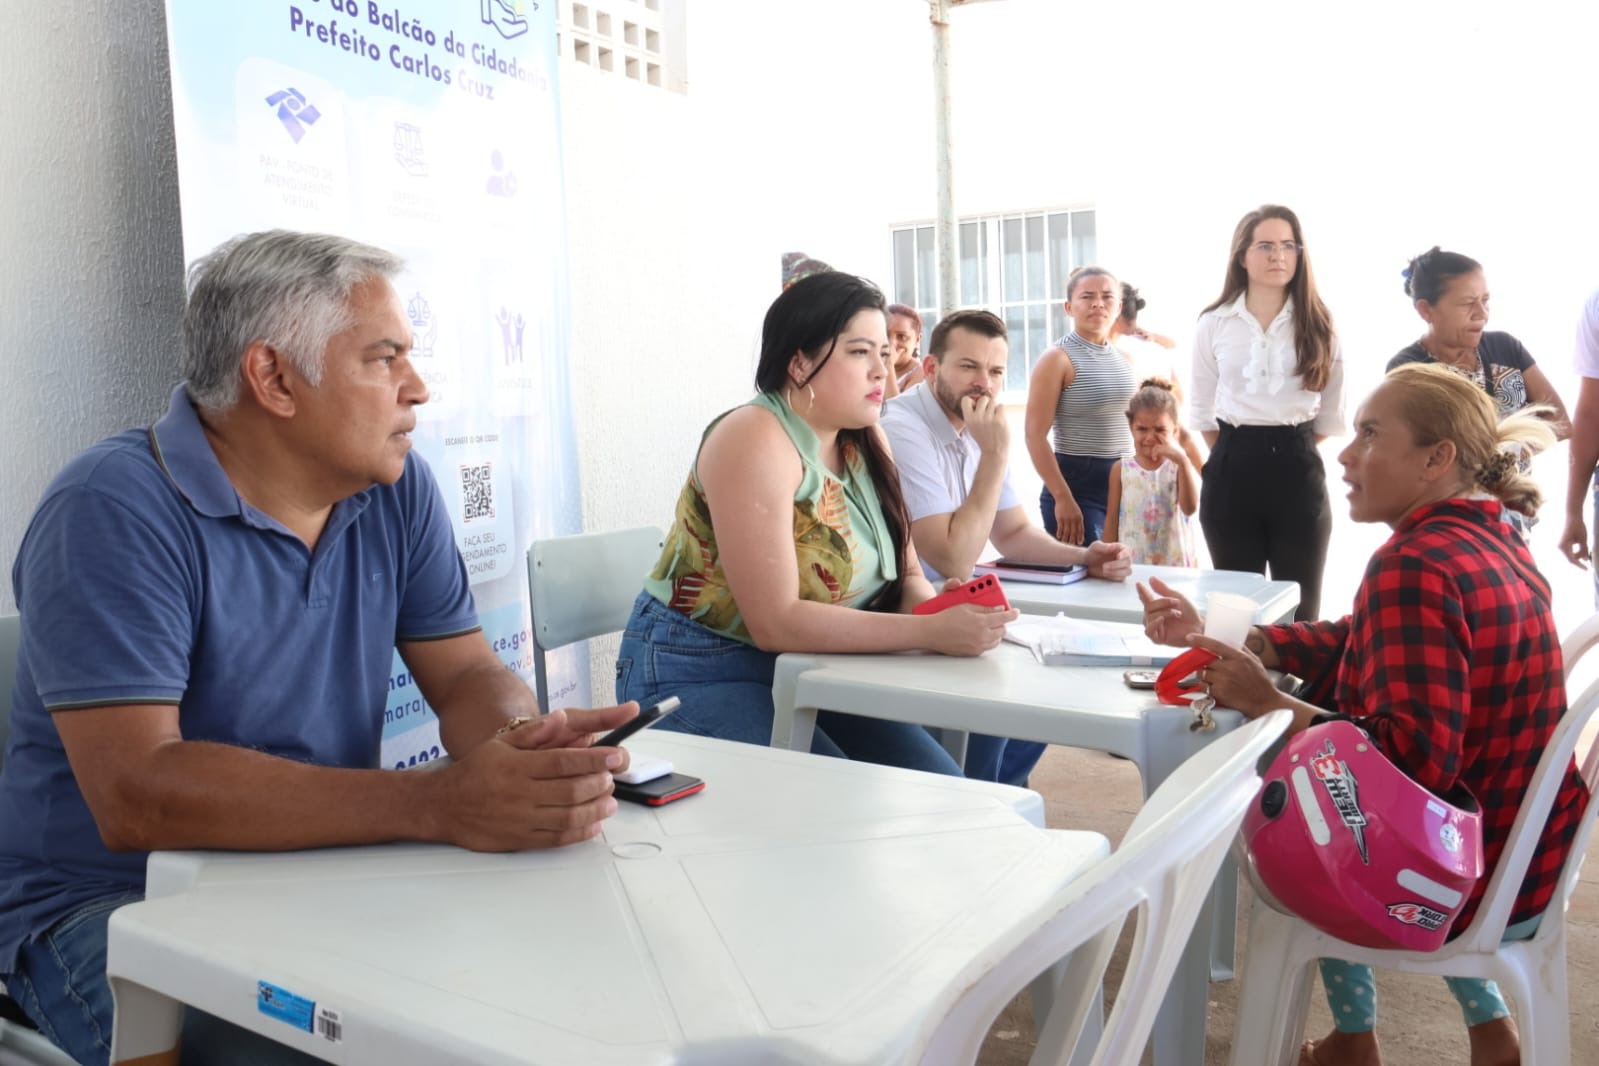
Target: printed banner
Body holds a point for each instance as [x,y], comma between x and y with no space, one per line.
[433,130]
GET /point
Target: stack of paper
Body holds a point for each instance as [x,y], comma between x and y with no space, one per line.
[1062,641]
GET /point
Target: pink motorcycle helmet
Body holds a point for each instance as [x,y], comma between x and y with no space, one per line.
[1344,839]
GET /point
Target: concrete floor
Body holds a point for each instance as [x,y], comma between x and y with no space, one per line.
[1419,1021]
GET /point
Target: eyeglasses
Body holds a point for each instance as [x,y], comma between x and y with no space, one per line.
[1271,247]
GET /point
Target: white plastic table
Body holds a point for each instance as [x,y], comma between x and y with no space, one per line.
[1117,601]
[1006,692]
[801,908]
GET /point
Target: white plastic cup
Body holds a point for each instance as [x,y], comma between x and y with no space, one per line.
[1228,617]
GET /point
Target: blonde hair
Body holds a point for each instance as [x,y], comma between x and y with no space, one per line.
[1438,404]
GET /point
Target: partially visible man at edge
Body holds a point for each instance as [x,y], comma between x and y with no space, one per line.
[210,607]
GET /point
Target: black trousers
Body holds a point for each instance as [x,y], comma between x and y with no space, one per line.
[1263,506]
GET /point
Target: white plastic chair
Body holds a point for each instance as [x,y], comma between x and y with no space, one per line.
[26,1047]
[584,586]
[18,1046]
[1163,869]
[1283,949]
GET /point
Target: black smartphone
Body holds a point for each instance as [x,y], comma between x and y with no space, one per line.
[661,791]
[647,717]
[1048,568]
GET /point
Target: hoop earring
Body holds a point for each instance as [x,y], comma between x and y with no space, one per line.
[811,389]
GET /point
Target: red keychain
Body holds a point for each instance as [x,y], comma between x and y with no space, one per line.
[1179,682]
[1179,685]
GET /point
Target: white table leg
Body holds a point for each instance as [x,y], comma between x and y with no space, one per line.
[1179,1034]
[953,740]
[792,727]
[1224,926]
[146,1028]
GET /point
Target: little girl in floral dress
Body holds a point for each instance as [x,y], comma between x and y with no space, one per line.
[1154,492]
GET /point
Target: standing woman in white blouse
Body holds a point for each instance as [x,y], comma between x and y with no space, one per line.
[1268,386]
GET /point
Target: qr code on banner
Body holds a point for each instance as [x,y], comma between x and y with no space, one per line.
[477,492]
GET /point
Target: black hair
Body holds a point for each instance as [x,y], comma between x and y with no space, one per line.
[1132,303]
[808,318]
[1430,273]
[982,323]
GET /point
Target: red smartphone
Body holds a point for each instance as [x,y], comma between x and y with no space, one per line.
[983,591]
[661,791]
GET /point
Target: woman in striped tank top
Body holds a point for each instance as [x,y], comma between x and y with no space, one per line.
[1076,410]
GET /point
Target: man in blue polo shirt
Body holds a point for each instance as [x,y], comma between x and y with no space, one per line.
[952,449]
[209,611]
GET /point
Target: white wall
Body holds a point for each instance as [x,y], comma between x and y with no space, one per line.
[91,281]
[680,207]
[1388,127]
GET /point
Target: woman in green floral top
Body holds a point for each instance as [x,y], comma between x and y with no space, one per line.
[791,535]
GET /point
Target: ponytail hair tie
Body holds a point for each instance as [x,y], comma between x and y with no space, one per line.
[1493,472]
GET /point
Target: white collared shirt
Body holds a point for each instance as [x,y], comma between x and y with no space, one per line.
[1244,375]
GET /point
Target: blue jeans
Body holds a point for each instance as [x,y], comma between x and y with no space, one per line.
[1089,479]
[1009,762]
[726,689]
[61,985]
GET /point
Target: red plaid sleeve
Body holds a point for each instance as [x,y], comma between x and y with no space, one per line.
[1308,650]
[1411,685]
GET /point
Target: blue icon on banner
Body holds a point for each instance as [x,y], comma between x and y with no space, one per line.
[505,16]
[502,182]
[408,150]
[423,327]
[511,335]
[294,111]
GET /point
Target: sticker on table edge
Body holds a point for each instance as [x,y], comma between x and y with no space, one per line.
[277,1002]
[303,1014]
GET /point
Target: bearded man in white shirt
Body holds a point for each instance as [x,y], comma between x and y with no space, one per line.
[951,444]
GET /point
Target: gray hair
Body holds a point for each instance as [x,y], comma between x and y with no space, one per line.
[291,290]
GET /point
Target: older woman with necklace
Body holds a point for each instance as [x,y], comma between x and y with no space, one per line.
[1451,296]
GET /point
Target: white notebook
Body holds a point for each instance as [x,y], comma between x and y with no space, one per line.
[1063,641]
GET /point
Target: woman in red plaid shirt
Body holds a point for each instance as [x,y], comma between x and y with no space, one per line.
[1450,659]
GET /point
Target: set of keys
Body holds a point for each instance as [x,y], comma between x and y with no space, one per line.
[1202,704]
[1182,680]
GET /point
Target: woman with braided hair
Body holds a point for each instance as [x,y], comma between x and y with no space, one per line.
[1426,663]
